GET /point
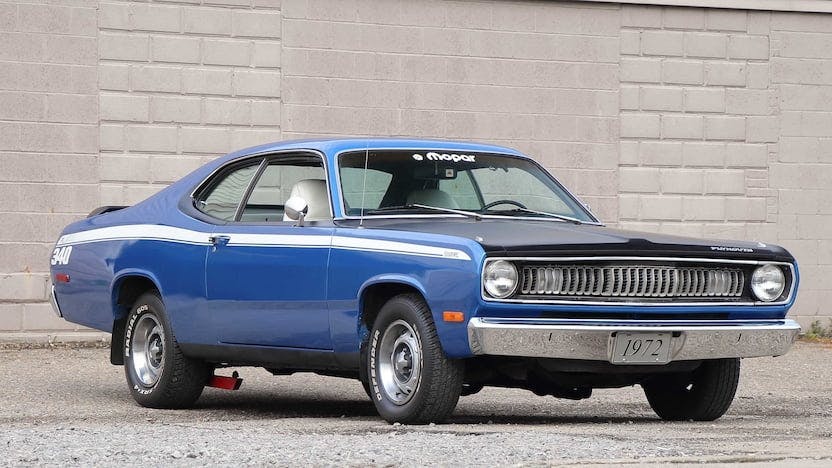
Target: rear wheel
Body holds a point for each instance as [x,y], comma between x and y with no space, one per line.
[158,374]
[702,395]
[411,380]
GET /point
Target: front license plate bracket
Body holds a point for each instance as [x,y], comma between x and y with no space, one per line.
[641,348]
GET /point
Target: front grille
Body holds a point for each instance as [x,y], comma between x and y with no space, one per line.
[628,281]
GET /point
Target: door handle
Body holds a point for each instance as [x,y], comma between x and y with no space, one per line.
[219,240]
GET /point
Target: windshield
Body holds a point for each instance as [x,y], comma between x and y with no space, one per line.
[408,182]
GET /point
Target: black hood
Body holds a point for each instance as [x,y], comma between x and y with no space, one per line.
[517,237]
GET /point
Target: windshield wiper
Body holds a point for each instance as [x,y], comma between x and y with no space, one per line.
[568,219]
[409,206]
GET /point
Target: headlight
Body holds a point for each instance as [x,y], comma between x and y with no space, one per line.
[768,282]
[500,279]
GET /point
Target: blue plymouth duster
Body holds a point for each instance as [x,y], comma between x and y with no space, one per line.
[425,269]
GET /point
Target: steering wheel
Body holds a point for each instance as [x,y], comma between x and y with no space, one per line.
[503,202]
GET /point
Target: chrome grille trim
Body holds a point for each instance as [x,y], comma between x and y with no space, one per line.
[788,267]
[631,281]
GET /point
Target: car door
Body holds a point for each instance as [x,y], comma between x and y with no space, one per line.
[266,277]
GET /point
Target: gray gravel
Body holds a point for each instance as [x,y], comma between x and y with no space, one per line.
[70,407]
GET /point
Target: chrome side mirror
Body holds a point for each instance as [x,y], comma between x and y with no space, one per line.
[296,209]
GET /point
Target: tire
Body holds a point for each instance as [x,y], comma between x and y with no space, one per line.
[415,383]
[158,374]
[702,395]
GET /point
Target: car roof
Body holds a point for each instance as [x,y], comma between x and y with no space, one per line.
[332,146]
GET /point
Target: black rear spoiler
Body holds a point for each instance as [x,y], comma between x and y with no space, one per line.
[105,209]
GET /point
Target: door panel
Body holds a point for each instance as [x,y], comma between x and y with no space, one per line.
[266,285]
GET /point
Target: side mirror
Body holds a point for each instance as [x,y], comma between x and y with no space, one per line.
[296,209]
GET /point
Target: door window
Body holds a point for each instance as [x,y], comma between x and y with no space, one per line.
[221,198]
[282,179]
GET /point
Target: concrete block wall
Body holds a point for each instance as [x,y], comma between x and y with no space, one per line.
[706,122]
[180,83]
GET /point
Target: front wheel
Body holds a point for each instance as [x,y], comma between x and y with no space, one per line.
[410,379]
[702,395]
[158,374]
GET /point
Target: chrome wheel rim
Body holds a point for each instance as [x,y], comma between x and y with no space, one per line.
[148,350]
[400,362]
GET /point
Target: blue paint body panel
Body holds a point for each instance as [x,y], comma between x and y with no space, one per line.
[303,297]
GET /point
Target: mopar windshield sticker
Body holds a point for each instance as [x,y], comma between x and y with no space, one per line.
[445,157]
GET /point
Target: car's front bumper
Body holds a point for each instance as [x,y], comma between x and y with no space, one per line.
[592,340]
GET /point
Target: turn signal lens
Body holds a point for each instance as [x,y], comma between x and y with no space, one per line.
[453,316]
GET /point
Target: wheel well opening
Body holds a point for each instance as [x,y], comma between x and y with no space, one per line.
[375,296]
[129,289]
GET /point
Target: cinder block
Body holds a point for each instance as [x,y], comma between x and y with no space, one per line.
[641,16]
[23,286]
[8,17]
[113,76]
[704,99]
[703,154]
[119,46]
[154,17]
[759,22]
[758,75]
[165,169]
[661,98]
[244,137]
[226,52]
[124,107]
[667,43]
[749,101]
[112,15]
[22,106]
[628,206]
[745,209]
[216,21]
[155,138]
[207,81]
[628,97]
[725,74]
[686,181]
[725,181]
[227,111]
[660,207]
[682,126]
[748,47]
[11,315]
[683,71]
[724,127]
[638,179]
[641,70]
[640,125]
[256,24]
[71,108]
[746,155]
[710,45]
[257,83]
[111,137]
[629,153]
[45,18]
[127,168]
[156,78]
[727,20]
[204,140]
[58,138]
[176,109]
[266,54]
[762,129]
[71,50]
[703,208]
[630,42]
[814,226]
[684,18]
[174,49]
[265,113]
[660,153]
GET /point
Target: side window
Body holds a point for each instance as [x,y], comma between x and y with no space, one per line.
[353,185]
[283,179]
[222,198]
[462,190]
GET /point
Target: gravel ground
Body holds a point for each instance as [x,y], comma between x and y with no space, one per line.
[70,407]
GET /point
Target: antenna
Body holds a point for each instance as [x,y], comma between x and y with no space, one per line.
[364,186]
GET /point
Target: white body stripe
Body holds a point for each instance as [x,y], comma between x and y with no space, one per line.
[187,236]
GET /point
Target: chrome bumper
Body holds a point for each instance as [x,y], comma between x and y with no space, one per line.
[581,339]
[54,301]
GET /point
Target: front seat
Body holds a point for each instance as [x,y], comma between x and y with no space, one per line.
[317,199]
[432,197]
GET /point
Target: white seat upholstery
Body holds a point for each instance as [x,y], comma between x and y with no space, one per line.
[314,192]
[432,197]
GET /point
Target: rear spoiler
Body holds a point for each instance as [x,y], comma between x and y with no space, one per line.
[105,209]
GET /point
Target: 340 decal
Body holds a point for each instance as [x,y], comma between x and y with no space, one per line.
[60,256]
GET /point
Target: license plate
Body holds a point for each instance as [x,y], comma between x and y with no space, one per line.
[641,348]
